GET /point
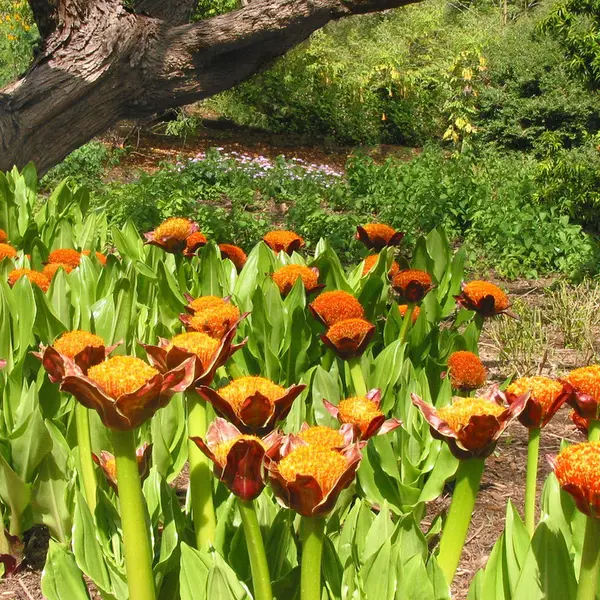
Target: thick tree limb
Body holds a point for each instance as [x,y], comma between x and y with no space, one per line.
[110,63]
[173,12]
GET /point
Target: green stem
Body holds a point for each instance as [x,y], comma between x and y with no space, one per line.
[588,573]
[256,550]
[358,380]
[533,452]
[86,463]
[203,512]
[594,431]
[478,320]
[134,519]
[455,530]
[313,529]
[406,322]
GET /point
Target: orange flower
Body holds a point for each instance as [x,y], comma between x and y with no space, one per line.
[378,236]
[3,236]
[484,298]
[253,404]
[471,426]
[286,277]
[546,396]
[577,469]
[371,261]
[466,371]
[101,257]
[126,391]
[172,234]
[65,256]
[412,284]
[331,307]
[586,393]
[235,254]
[326,437]
[203,302]
[51,269]
[35,277]
[6,250]
[194,242]
[215,321]
[309,478]
[281,240]
[363,414]
[106,461]
[349,338]
[415,314]
[238,458]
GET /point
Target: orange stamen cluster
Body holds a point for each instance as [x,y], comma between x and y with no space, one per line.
[466,370]
[242,388]
[175,227]
[404,307]
[478,290]
[459,413]
[543,389]
[579,465]
[324,437]
[359,411]
[195,342]
[35,277]
[65,256]
[350,328]
[337,306]
[403,278]
[7,251]
[194,241]
[586,380]
[371,261]
[222,450]
[51,269]
[235,254]
[286,277]
[281,240]
[3,236]
[205,302]
[324,465]
[121,375]
[73,342]
[379,231]
[215,321]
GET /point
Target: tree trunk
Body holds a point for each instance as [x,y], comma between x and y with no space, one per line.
[102,62]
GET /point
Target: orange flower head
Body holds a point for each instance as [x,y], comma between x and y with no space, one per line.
[222,450]
[177,228]
[6,250]
[51,269]
[3,236]
[466,371]
[326,466]
[121,375]
[281,240]
[459,413]
[412,284]
[371,261]
[194,241]
[215,321]
[332,307]
[101,257]
[349,338]
[378,236]
[235,254]
[324,437]
[35,277]
[71,343]
[65,256]
[198,343]
[359,411]
[542,389]
[415,314]
[585,398]
[286,277]
[242,388]
[577,469]
[204,302]
[483,297]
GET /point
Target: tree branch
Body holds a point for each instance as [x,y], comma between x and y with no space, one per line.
[173,12]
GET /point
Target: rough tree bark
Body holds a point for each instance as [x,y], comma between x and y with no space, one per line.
[101,62]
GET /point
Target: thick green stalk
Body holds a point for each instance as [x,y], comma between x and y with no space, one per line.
[594,431]
[261,579]
[590,561]
[86,463]
[313,529]
[406,322]
[455,530]
[203,512]
[358,380]
[533,452]
[134,520]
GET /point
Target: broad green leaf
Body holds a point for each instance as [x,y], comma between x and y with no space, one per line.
[61,579]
